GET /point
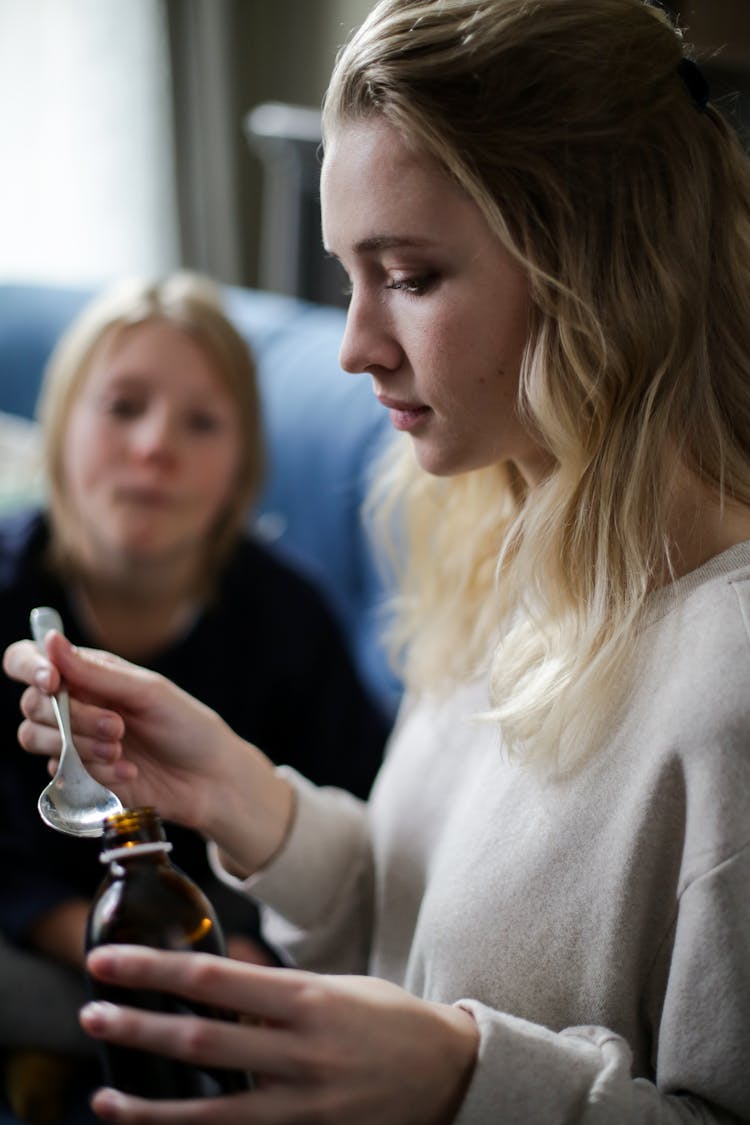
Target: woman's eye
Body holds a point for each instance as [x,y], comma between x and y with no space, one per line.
[124,407]
[414,285]
[203,423]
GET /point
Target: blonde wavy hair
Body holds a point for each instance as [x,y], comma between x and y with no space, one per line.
[191,303]
[628,203]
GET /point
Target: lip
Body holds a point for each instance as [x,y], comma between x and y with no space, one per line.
[404,415]
[147,497]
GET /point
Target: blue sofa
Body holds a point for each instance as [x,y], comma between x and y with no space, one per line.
[324,429]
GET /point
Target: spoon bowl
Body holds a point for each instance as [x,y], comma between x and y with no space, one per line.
[73,802]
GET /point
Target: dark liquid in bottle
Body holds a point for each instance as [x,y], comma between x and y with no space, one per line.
[147,900]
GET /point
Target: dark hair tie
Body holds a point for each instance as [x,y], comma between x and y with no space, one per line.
[695,80]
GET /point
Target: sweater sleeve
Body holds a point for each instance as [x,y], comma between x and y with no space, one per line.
[526,1073]
[316,895]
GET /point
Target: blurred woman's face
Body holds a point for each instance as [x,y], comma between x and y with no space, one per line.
[152,448]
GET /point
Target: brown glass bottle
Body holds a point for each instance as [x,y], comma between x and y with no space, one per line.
[146,900]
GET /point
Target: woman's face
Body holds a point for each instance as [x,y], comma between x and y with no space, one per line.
[152,447]
[439,309]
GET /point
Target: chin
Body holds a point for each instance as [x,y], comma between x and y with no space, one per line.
[138,550]
[443,464]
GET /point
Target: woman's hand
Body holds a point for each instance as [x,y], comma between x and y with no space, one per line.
[153,744]
[321,1048]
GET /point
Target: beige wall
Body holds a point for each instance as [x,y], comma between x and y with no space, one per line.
[345,15]
[283,51]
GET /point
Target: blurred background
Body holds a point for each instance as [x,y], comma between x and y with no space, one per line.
[150,134]
[126,139]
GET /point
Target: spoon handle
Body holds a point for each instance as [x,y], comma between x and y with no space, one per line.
[62,707]
[43,619]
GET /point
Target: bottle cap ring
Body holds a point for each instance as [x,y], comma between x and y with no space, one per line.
[126,851]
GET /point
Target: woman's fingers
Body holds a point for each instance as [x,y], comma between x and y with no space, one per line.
[89,720]
[196,1040]
[91,674]
[111,1105]
[98,675]
[257,991]
[98,732]
[266,997]
[276,1106]
[25,662]
[38,736]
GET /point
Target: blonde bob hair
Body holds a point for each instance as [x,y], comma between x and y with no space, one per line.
[573,127]
[190,303]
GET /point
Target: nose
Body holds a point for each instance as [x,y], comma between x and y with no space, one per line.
[369,342]
[154,435]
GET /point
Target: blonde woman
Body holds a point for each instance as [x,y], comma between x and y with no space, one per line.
[153,449]
[546,227]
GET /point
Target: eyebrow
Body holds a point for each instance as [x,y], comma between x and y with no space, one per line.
[388,242]
[378,242]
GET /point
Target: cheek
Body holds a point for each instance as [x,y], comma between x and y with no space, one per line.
[217,480]
[83,454]
[499,363]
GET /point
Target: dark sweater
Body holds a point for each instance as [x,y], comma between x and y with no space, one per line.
[267,655]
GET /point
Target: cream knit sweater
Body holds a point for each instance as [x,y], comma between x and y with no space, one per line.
[598,928]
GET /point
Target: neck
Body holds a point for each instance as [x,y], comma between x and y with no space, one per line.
[703,525]
[135,615]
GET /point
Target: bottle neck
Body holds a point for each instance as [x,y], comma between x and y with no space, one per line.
[131,833]
[133,851]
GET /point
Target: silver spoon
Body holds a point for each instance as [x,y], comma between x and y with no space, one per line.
[72,802]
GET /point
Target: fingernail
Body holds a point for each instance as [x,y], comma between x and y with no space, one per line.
[97,1016]
[108,727]
[43,679]
[107,1102]
[104,958]
[104,752]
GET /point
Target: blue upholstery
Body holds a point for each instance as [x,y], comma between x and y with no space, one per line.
[323,430]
